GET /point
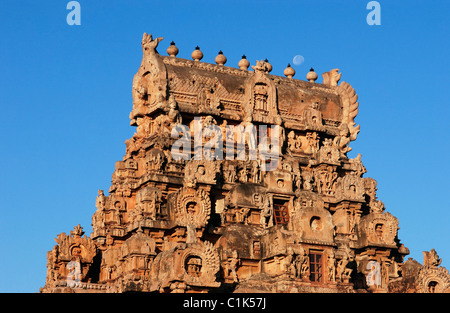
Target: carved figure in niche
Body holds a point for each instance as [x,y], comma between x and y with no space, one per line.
[313,142]
[343,273]
[191,208]
[343,140]
[174,114]
[256,174]
[326,181]
[379,232]
[288,262]
[311,116]
[212,99]
[193,266]
[98,218]
[256,249]
[242,215]
[331,267]
[260,97]
[148,201]
[350,187]
[316,223]
[243,174]
[308,181]
[100,201]
[294,143]
[266,219]
[200,171]
[329,152]
[155,160]
[302,265]
[281,132]
[297,179]
[230,174]
[232,264]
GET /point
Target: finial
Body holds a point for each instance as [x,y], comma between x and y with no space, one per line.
[289,72]
[244,63]
[311,76]
[268,66]
[172,50]
[220,58]
[197,55]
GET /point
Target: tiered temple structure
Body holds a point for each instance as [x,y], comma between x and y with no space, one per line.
[176,220]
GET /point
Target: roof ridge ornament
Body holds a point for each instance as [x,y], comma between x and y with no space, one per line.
[150,45]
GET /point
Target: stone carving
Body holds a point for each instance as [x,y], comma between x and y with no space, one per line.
[331,267]
[329,153]
[294,144]
[193,207]
[342,141]
[378,228]
[331,78]
[149,202]
[432,278]
[201,171]
[150,82]
[231,266]
[350,109]
[302,265]
[72,254]
[350,187]
[325,178]
[260,100]
[266,206]
[313,142]
[308,222]
[312,117]
[343,272]
[431,259]
[357,166]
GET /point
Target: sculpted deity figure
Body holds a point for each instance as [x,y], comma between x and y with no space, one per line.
[343,140]
[266,211]
[343,272]
[301,265]
[331,267]
[232,264]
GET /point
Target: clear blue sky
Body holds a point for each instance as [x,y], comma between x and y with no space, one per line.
[65,96]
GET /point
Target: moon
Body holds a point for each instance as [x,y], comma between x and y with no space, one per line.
[298,59]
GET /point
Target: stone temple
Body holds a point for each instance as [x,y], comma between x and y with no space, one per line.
[190,209]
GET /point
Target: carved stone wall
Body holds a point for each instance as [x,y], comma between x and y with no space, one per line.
[174,221]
